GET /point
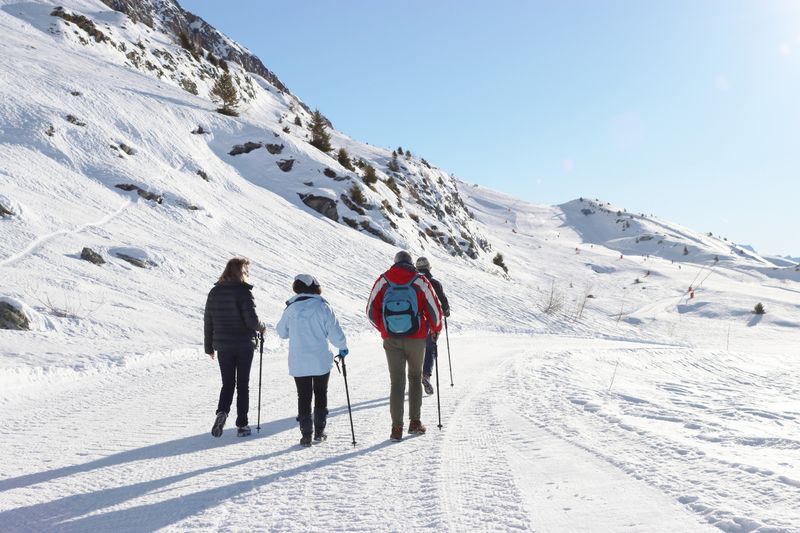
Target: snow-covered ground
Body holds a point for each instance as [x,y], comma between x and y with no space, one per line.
[593,391]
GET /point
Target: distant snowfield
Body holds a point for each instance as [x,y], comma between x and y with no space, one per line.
[633,405]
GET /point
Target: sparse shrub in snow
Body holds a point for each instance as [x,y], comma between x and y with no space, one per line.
[413,217]
[212,58]
[286,129]
[189,86]
[370,178]
[759,309]
[13,318]
[386,206]
[274,149]
[357,195]
[320,138]
[425,163]
[499,260]
[50,131]
[329,172]
[344,159]
[350,222]
[225,91]
[5,211]
[400,150]
[552,301]
[187,44]
[202,173]
[393,165]
[223,65]
[685,250]
[392,184]
[297,121]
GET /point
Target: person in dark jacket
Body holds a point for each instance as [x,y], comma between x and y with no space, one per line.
[431,350]
[230,328]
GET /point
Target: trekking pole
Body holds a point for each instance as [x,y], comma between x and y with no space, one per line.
[449,363]
[343,372]
[438,401]
[260,360]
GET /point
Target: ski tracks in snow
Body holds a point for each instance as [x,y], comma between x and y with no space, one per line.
[43,239]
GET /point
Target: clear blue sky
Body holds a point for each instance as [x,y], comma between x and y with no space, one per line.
[684,109]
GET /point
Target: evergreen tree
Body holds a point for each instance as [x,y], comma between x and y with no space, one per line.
[369,175]
[320,138]
[297,121]
[225,91]
[344,159]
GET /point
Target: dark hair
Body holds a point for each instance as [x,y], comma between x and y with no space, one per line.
[301,288]
[236,270]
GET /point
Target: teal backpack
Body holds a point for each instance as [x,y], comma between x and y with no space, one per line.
[401,309]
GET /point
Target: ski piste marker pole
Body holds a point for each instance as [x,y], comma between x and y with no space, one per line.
[449,362]
[343,372]
[260,361]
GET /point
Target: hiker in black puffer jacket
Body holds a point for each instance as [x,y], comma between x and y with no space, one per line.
[431,349]
[230,328]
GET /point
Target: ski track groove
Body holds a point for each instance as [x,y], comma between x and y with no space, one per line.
[644,453]
[479,494]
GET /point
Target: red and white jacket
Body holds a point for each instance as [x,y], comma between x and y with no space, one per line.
[429,308]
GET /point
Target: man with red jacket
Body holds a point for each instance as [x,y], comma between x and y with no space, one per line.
[404,308]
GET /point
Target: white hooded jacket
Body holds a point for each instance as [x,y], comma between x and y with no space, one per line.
[309,323]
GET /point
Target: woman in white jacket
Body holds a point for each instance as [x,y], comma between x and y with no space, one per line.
[309,323]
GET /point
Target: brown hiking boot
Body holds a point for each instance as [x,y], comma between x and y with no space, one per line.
[416,427]
[397,433]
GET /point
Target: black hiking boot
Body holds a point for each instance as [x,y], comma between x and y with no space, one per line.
[426,384]
[320,435]
[219,423]
[243,431]
[305,440]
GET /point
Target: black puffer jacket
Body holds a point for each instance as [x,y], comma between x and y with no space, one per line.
[230,319]
[437,287]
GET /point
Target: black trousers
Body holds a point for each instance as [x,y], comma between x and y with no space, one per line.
[234,365]
[318,387]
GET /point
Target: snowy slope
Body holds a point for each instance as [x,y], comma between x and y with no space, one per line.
[637,405]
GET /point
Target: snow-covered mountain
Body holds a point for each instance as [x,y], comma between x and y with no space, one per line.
[630,342]
[405,201]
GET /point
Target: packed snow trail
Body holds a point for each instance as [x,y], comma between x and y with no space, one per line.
[130,450]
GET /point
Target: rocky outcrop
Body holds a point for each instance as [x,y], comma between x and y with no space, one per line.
[135,261]
[13,318]
[147,195]
[87,254]
[245,148]
[321,204]
[274,149]
[286,164]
